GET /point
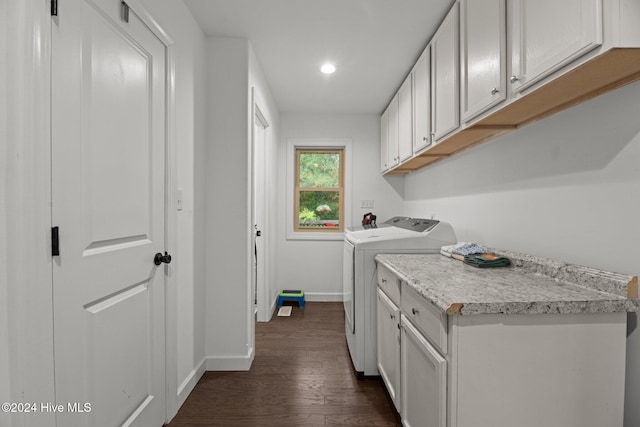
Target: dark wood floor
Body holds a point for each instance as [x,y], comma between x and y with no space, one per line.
[301,376]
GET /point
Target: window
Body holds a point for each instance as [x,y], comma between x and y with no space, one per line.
[319,190]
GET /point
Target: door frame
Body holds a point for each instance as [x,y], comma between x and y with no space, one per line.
[264,306]
[28,222]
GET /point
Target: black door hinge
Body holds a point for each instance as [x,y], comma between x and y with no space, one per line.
[124,11]
[55,242]
[54,7]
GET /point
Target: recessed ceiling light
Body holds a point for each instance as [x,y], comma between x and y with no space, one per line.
[328,68]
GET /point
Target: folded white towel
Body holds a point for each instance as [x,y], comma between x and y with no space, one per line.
[450,249]
[469,249]
[462,248]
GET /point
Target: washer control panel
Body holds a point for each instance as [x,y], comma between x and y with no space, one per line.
[415,224]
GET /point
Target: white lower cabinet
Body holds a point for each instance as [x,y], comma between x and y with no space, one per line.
[498,370]
[423,380]
[388,323]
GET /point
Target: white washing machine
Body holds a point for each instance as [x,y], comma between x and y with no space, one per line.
[361,245]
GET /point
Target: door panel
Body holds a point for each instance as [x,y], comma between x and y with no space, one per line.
[114,379]
[445,60]
[388,345]
[482,55]
[548,34]
[422,101]
[115,121]
[423,380]
[108,195]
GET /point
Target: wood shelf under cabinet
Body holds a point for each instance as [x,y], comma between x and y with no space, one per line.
[604,73]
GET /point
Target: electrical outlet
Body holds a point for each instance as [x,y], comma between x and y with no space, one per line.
[366,204]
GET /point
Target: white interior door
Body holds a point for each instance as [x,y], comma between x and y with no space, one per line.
[261,289]
[108,193]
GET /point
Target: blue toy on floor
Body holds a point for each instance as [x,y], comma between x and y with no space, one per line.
[288,295]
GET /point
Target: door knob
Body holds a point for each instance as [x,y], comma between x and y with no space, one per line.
[159,258]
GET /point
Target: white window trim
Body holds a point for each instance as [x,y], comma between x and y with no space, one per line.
[306,143]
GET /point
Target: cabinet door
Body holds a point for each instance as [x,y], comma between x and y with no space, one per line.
[482,55]
[422,101]
[445,101]
[548,34]
[392,148]
[388,323]
[384,141]
[405,120]
[423,380]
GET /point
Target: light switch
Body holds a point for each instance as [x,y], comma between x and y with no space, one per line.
[366,204]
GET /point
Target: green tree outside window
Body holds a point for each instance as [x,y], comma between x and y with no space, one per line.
[319,190]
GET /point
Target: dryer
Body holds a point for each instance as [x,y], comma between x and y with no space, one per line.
[359,277]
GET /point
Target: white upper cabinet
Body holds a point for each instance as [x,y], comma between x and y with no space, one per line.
[422,101]
[405,120]
[384,141]
[392,145]
[548,34]
[482,56]
[494,66]
[445,99]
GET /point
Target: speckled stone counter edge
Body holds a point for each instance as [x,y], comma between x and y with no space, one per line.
[618,285]
[604,281]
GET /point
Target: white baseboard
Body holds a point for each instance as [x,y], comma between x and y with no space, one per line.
[190,382]
[323,296]
[241,362]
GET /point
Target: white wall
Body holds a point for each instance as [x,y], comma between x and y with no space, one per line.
[266,103]
[232,70]
[566,188]
[5,389]
[190,102]
[26,214]
[228,341]
[316,266]
[26,263]
[199,205]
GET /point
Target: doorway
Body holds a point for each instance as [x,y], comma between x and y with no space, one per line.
[261,233]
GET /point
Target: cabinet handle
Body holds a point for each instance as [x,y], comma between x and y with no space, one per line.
[424,138]
[384,280]
[392,316]
[513,79]
[414,311]
[494,91]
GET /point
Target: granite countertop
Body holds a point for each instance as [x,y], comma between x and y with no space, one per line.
[531,285]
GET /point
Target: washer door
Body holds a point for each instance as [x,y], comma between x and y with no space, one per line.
[348,284]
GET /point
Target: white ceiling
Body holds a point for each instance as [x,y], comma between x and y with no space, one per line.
[373,43]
